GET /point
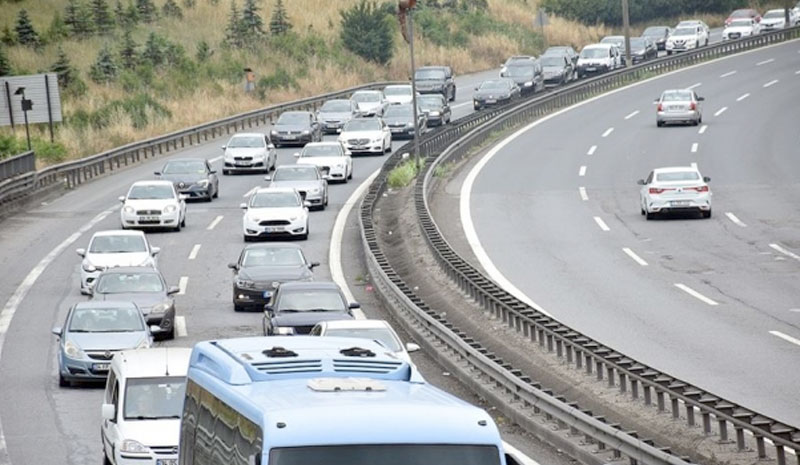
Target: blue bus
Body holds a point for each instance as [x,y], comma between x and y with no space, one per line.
[298,400]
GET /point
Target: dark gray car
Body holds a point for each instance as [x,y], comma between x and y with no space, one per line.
[528,75]
[298,306]
[306,179]
[563,50]
[143,286]
[192,177]
[494,92]
[659,34]
[261,268]
[436,109]
[436,80]
[334,114]
[557,69]
[296,128]
[400,119]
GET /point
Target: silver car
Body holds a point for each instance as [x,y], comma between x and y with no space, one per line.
[679,106]
[334,114]
[248,152]
[675,189]
[306,179]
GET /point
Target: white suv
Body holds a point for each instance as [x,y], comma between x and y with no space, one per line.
[688,35]
[142,406]
[109,249]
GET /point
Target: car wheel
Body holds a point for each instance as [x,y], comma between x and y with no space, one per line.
[226,172]
[642,211]
[106,461]
[669,52]
[183,221]
[453,96]
[171,334]
[695,122]
[350,176]
[247,238]
[649,216]
[177,228]
[700,119]
[62,382]
[216,192]
[707,214]
[659,123]
[238,308]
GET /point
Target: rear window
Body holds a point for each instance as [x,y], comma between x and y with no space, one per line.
[387,454]
[678,176]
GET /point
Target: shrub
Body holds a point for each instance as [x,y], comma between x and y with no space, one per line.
[57,31]
[5,65]
[171,10]
[101,14]
[402,174]
[45,150]
[367,31]
[104,69]
[603,11]
[128,55]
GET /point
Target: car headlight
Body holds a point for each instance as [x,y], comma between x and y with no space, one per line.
[203,183]
[143,344]
[129,210]
[306,132]
[529,83]
[160,308]
[377,140]
[133,447]
[170,209]
[89,268]
[275,284]
[72,350]
[245,283]
[284,331]
[434,113]
[274,132]
[293,218]
[315,190]
[410,124]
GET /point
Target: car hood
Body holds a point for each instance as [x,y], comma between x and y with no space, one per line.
[299,185]
[307,318]
[361,135]
[108,341]
[275,273]
[321,161]
[740,29]
[183,178]
[159,433]
[552,69]
[772,21]
[335,116]
[106,260]
[275,213]
[291,127]
[593,61]
[682,38]
[394,120]
[149,204]
[430,83]
[398,98]
[245,151]
[490,93]
[367,105]
[144,300]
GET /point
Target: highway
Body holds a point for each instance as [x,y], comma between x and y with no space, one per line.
[714,302]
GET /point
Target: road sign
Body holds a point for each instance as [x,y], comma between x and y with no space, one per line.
[40,89]
[541,20]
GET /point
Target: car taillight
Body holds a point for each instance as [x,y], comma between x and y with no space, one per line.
[693,106]
[700,188]
[660,107]
[656,190]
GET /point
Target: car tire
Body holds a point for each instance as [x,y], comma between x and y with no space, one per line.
[350,176]
[238,308]
[171,334]
[177,228]
[226,172]
[641,210]
[216,193]
[649,216]
[659,123]
[706,214]
[247,238]
[62,382]
[669,52]
[183,222]
[106,461]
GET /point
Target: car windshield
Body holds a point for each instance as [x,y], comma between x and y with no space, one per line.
[273,256]
[246,142]
[336,106]
[741,23]
[399,90]
[638,44]
[677,96]
[106,320]
[293,118]
[295,173]
[311,300]
[594,53]
[387,454]
[657,31]
[185,167]
[275,200]
[398,111]
[366,97]
[552,61]
[774,14]
[493,85]
[519,59]
[327,150]
[519,71]
[154,398]
[117,244]
[741,14]
[431,102]
[151,192]
[678,176]
[616,40]
[430,74]
[382,335]
[684,31]
[124,283]
[362,125]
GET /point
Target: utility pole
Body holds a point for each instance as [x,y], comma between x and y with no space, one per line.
[413,85]
[626,24]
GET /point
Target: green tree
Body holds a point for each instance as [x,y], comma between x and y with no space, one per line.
[366,30]
[26,34]
[171,9]
[128,55]
[154,49]
[68,78]
[132,17]
[78,19]
[104,69]
[119,13]
[204,51]
[251,23]
[189,4]
[8,38]
[174,54]
[101,15]
[279,23]
[57,30]
[147,10]
[234,35]
[5,65]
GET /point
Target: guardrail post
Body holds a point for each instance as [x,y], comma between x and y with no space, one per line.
[599,369]
[762,451]
[723,431]
[690,414]
[740,445]
[675,410]
[780,453]
[610,372]
[706,423]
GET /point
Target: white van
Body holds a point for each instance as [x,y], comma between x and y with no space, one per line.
[598,58]
[142,406]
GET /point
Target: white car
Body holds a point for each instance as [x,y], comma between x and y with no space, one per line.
[738,28]
[598,58]
[675,189]
[696,22]
[370,102]
[685,38]
[366,135]
[153,204]
[776,19]
[376,330]
[275,212]
[398,93]
[109,249]
[331,158]
[249,152]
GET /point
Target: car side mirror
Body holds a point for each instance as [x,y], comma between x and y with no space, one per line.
[173,290]
[233,266]
[269,311]
[296,154]
[271,146]
[81,252]
[476,87]
[307,204]
[107,411]
[411,347]
[224,147]
[212,172]
[182,196]
[706,179]
[353,305]
[243,206]
[640,182]
[121,198]
[701,99]
[155,251]
[268,177]
[313,265]
[155,329]
[56,331]
[157,173]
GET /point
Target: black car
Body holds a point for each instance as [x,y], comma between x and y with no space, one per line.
[261,268]
[515,60]
[400,119]
[296,128]
[565,50]
[495,92]
[557,69]
[529,76]
[192,177]
[143,286]
[436,109]
[298,306]
[436,80]
[659,34]
[642,49]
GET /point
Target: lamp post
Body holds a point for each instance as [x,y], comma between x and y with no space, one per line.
[406,11]
[26,105]
[626,24]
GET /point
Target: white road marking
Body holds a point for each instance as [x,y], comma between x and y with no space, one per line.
[693,86]
[694,147]
[182,283]
[250,192]
[695,294]
[517,454]
[788,253]
[608,132]
[601,223]
[635,257]
[592,149]
[335,249]
[735,219]
[786,337]
[215,159]
[193,253]
[702,129]
[797,72]
[729,73]
[582,192]
[694,165]
[214,223]
[765,62]
[771,83]
[742,97]
[582,171]
[632,114]
[180,326]
[721,111]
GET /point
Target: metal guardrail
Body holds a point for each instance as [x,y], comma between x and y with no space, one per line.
[71,174]
[18,164]
[583,352]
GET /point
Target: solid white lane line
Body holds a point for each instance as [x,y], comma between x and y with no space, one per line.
[215,159]
[582,171]
[632,114]
[771,83]
[635,257]
[788,253]
[250,192]
[694,147]
[744,96]
[702,129]
[693,86]
[601,223]
[335,248]
[517,454]
[729,73]
[735,219]
[180,326]
[608,132]
[786,337]
[214,223]
[182,283]
[797,72]
[582,192]
[721,111]
[592,149]
[765,62]
[695,294]
[193,253]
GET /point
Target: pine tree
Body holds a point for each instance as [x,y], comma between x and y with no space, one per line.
[147,10]
[251,23]
[104,69]
[279,23]
[204,51]
[174,54]
[57,30]
[128,56]
[189,3]
[171,9]
[8,37]
[101,14]
[63,68]
[5,65]
[119,13]
[132,14]
[154,49]
[233,31]
[78,19]
[26,35]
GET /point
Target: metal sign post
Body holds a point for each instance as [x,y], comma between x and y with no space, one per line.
[413,86]
[626,24]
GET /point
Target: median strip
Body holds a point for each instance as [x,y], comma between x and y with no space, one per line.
[721,111]
[184,281]
[592,149]
[735,219]
[771,83]
[608,132]
[788,253]
[742,97]
[702,129]
[729,73]
[180,326]
[694,147]
[632,114]
[786,337]
[765,62]
[582,192]
[582,171]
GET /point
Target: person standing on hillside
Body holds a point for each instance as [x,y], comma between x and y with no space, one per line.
[249,80]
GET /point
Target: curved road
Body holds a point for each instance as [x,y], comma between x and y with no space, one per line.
[714,302]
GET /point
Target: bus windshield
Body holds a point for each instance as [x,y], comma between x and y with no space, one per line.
[388,454]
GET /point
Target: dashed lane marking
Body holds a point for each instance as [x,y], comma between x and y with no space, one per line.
[194,252]
[694,165]
[635,257]
[786,337]
[592,149]
[601,223]
[250,192]
[215,159]
[788,253]
[582,192]
[180,326]
[765,62]
[182,283]
[694,147]
[721,111]
[608,132]
[744,96]
[695,294]
[694,86]
[735,219]
[729,73]
[631,115]
[582,171]
[214,223]
[771,83]
[702,129]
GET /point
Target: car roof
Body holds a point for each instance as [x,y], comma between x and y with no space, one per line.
[131,269]
[367,91]
[106,304]
[273,245]
[119,232]
[291,167]
[674,169]
[355,324]
[146,363]
[591,46]
[442,67]
[185,159]
[275,189]
[398,86]
[152,183]
[320,144]
[247,134]
[310,286]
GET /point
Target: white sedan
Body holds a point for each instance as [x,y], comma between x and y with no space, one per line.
[398,93]
[275,212]
[249,152]
[331,158]
[366,135]
[376,330]
[108,249]
[776,19]
[153,204]
[675,189]
[738,28]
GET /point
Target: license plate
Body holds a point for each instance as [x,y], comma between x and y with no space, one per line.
[675,107]
[148,218]
[679,203]
[272,229]
[491,100]
[290,137]
[591,68]
[397,130]
[267,294]
[242,163]
[167,462]
[359,147]
[100,366]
